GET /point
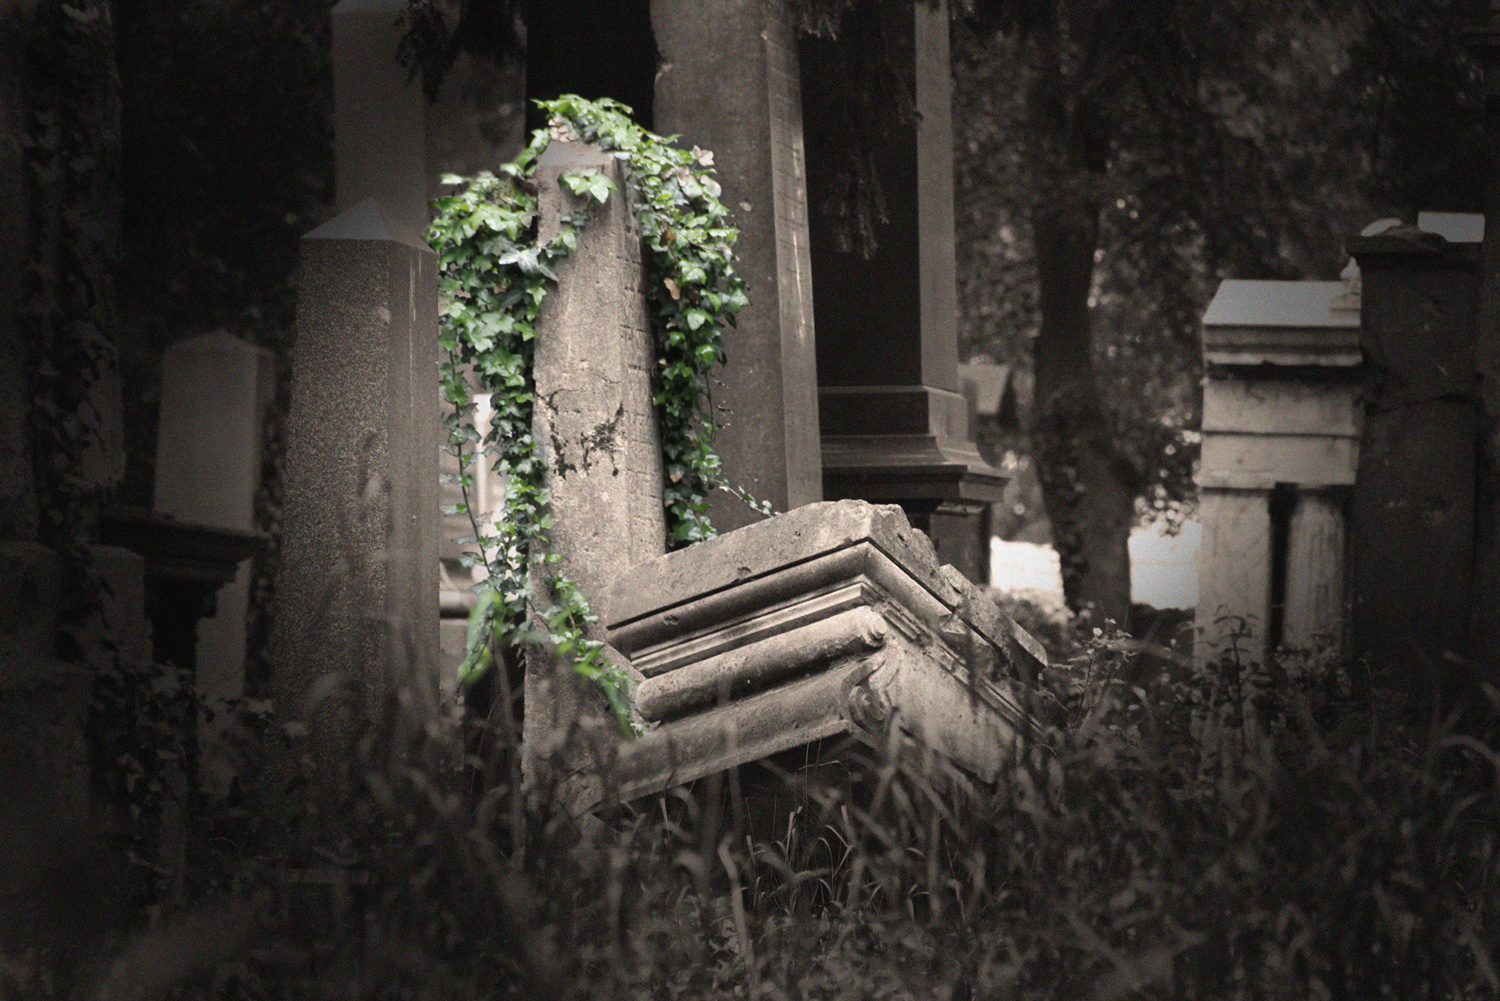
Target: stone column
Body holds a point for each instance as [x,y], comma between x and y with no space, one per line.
[1413,507]
[1234,573]
[894,422]
[379,115]
[356,590]
[595,427]
[730,83]
[1314,618]
[215,390]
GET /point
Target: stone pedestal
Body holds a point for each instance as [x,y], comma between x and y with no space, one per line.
[215,390]
[730,83]
[894,421]
[595,428]
[836,618]
[1413,506]
[356,589]
[186,565]
[1280,443]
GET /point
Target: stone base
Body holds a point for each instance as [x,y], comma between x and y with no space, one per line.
[833,619]
[942,483]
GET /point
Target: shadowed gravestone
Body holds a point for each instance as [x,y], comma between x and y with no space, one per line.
[1413,508]
[894,419]
[215,389]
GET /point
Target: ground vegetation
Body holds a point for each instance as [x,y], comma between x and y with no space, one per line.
[1247,832]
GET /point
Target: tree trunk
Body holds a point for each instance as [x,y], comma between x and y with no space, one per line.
[18,505]
[1085,484]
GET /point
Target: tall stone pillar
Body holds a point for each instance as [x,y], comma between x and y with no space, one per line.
[1413,508]
[596,433]
[730,83]
[894,421]
[356,589]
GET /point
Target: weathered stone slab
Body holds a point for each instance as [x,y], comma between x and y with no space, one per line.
[595,427]
[1234,572]
[832,619]
[1260,461]
[1315,616]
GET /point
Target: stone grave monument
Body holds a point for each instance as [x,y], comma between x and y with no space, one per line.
[835,618]
[1413,549]
[1281,425]
[894,418]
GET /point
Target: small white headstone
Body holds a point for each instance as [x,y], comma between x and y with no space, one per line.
[215,389]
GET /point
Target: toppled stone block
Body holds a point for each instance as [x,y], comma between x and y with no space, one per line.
[835,618]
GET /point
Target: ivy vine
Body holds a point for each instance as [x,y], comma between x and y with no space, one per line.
[494,274]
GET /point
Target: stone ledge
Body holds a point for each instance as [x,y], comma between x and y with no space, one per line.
[833,619]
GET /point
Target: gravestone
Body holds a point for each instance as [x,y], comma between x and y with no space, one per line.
[1281,425]
[832,619]
[356,589]
[595,427]
[730,79]
[893,417]
[1414,498]
[215,391]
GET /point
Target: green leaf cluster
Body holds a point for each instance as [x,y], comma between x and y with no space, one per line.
[494,275]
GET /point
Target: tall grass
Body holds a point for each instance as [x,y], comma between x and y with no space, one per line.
[1159,842]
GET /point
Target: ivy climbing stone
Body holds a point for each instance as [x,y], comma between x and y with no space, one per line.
[494,274]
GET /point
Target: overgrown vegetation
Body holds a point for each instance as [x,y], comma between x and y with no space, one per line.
[494,276]
[1160,842]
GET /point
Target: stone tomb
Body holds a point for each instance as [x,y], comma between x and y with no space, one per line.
[1281,422]
[834,619]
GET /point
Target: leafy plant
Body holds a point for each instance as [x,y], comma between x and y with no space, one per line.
[494,277]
